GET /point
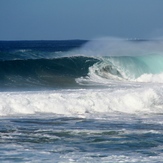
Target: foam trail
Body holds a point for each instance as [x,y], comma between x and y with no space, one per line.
[81,102]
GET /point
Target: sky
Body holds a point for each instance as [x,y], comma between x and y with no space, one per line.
[80,19]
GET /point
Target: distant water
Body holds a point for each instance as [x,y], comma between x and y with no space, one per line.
[81,101]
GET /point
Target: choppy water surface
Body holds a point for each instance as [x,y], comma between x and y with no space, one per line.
[119,137]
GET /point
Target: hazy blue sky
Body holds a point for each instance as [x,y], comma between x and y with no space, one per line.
[80,19]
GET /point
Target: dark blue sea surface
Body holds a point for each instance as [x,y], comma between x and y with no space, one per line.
[41,64]
[81,101]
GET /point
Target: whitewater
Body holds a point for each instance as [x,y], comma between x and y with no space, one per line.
[81,101]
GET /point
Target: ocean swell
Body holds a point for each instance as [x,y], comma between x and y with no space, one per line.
[43,72]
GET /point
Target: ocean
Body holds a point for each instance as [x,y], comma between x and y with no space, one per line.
[81,101]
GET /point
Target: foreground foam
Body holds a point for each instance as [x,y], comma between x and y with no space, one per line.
[153,78]
[82,102]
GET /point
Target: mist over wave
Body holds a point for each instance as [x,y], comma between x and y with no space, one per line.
[110,46]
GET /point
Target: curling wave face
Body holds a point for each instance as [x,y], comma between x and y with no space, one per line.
[148,68]
[121,60]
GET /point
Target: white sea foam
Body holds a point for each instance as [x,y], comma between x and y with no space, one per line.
[104,78]
[153,78]
[82,102]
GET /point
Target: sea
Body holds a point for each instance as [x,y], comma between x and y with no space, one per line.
[97,100]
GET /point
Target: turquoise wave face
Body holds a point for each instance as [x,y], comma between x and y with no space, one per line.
[129,67]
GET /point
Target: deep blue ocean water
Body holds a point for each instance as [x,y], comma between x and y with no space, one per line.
[81,101]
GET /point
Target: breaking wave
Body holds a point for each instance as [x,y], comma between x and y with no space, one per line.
[124,61]
[147,68]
